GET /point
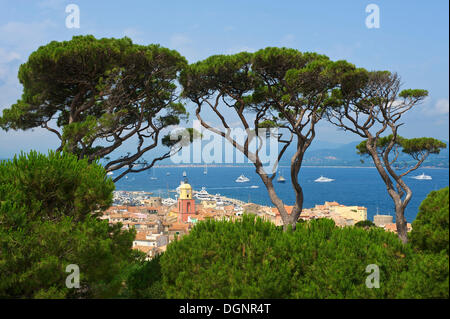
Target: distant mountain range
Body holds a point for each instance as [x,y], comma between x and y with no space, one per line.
[323,153]
[345,155]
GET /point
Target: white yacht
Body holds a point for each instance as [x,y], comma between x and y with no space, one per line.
[153,177]
[205,170]
[322,179]
[242,179]
[254,186]
[422,177]
[281,179]
[202,195]
[169,201]
[110,173]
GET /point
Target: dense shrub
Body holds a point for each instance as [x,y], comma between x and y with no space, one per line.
[55,185]
[251,258]
[47,222]
[365,223]
[145,280]
[430,229]
[427,277]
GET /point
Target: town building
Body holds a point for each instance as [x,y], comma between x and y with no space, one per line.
[392,227]
[186,203]
[381,220]
[152,201]
[356,213]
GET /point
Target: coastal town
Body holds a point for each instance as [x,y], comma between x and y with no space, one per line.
[158,220]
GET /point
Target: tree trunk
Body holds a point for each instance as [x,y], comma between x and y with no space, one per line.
[291,220]
[400,221]
[279,204]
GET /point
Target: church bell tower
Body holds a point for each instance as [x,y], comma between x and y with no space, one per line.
[186,203]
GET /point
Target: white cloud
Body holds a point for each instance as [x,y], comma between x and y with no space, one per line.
[229,28]
[179,41]
[8,56]
[288,40]
[134,34]
[239,49]
[51,4]
[18,40]
[185,45]
[25,37]
[341,51]
[9,84]
[441,107]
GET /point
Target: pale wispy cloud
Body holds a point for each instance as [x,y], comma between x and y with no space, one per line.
[134,34]
[8,56]
[18,40]
[229,28]
[179,41]
[239,49]
[441,107]
[52,4]
[185,45]
[24,37]
[288,40]
[10,88]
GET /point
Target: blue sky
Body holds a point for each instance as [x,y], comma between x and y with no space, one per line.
[412,40]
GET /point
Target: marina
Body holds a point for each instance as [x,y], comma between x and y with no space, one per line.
[350,185]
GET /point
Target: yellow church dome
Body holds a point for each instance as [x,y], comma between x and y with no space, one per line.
[185,186]
[185,191]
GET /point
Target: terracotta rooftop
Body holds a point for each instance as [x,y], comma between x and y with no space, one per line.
[332,203]
[144,249]
[141,235]
[288,209]
[179,226]
[393,227]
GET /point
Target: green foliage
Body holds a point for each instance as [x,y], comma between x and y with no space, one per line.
[181,137]
[252,258]
[102,92]
[428,276]
[283,88]
[145,281]
[413,93]
[415,147]
[217,73]
[267,124]
[54,186]
[365,223]
[48,220]
[430,229]
[267,76]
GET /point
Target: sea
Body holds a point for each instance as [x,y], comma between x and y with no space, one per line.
[351,186]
